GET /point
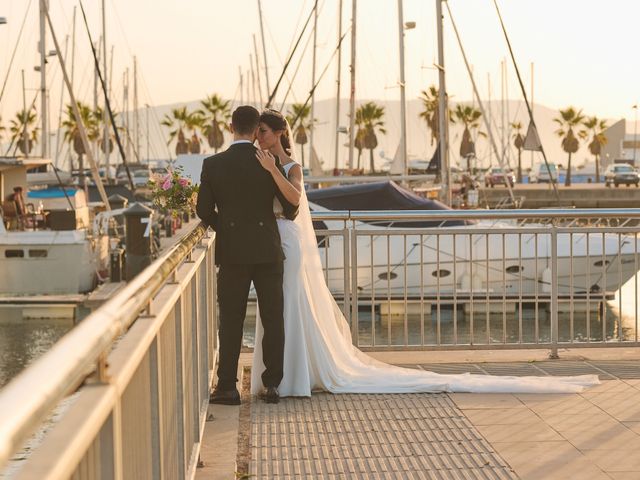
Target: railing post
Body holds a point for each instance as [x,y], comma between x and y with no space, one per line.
[554,291]
[354,283]
[346,251]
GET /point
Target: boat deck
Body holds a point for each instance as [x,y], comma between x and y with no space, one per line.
[591,435]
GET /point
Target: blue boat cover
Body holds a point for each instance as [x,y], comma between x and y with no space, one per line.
[54,192]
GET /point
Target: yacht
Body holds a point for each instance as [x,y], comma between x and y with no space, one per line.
[52,248]
[452,260]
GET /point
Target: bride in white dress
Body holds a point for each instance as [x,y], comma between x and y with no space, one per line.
[319,354]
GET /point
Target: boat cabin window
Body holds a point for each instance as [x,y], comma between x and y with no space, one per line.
[38,253]
[14,253]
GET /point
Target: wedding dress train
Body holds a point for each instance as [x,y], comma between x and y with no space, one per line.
[319,353]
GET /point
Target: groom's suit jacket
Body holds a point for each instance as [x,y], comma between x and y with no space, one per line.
[236,200]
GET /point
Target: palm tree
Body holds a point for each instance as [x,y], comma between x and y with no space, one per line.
[194,122]
[72,131]
[470,118]
[598,140]
[518,142]
[371,116]
[569,119]
[216,114]
[429,100]
[2,128]
[300,126]
[176,124]
[24,121]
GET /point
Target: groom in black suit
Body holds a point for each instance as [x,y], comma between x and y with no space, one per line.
[236,200]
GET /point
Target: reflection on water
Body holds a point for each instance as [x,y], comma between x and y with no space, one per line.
[609,320]
[23,341]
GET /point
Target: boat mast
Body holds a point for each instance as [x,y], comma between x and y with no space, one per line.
[352,97]
[442,112]
[105,134]
[403,100]
[313,80]
[503,146]
[57,152]
[25,133]
[255,51]
[73,47]
[43,80]
[95,94]
[241,86]
[490,113]
[148,134]
[136,119]
[253,81]
[533,106]
[264,49]
[337,133]
[125,107]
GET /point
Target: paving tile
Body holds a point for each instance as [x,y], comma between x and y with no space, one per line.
[485,400]
[624,475]
[633,426]
[613,437]
[501,416]
[548,460]
[617,460]
[535,432]
[580,422]
[609,386]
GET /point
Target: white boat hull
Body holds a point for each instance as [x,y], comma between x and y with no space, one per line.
[50,262]
[485,265]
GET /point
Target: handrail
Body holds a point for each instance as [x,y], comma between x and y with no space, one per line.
[28,399]
[476,214]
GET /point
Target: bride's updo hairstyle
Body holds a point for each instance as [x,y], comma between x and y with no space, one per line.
[276,122]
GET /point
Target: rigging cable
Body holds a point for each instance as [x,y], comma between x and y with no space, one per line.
[313,89]
[286,65]
[106,100]
[15,49]
[480,105]
[526,100]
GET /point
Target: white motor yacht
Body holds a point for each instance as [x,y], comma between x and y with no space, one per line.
[50,248]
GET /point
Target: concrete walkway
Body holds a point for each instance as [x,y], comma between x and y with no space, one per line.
[592,435]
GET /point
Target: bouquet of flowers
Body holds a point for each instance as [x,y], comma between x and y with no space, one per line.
[173,192]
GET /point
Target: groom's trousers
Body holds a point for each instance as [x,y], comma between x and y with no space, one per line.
[234,282]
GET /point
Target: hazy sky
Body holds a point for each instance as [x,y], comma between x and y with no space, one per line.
[585,51]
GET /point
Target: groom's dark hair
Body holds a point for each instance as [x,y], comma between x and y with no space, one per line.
[245,119]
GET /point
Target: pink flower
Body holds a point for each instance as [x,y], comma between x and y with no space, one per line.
[183,182]
[166,185]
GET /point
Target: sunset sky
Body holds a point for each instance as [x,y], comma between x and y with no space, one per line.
[584,51]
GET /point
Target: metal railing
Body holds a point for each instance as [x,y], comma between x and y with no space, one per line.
[133,377]
[485,279]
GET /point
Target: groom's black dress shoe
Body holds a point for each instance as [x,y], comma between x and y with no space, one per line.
[269,395]
[225,397]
